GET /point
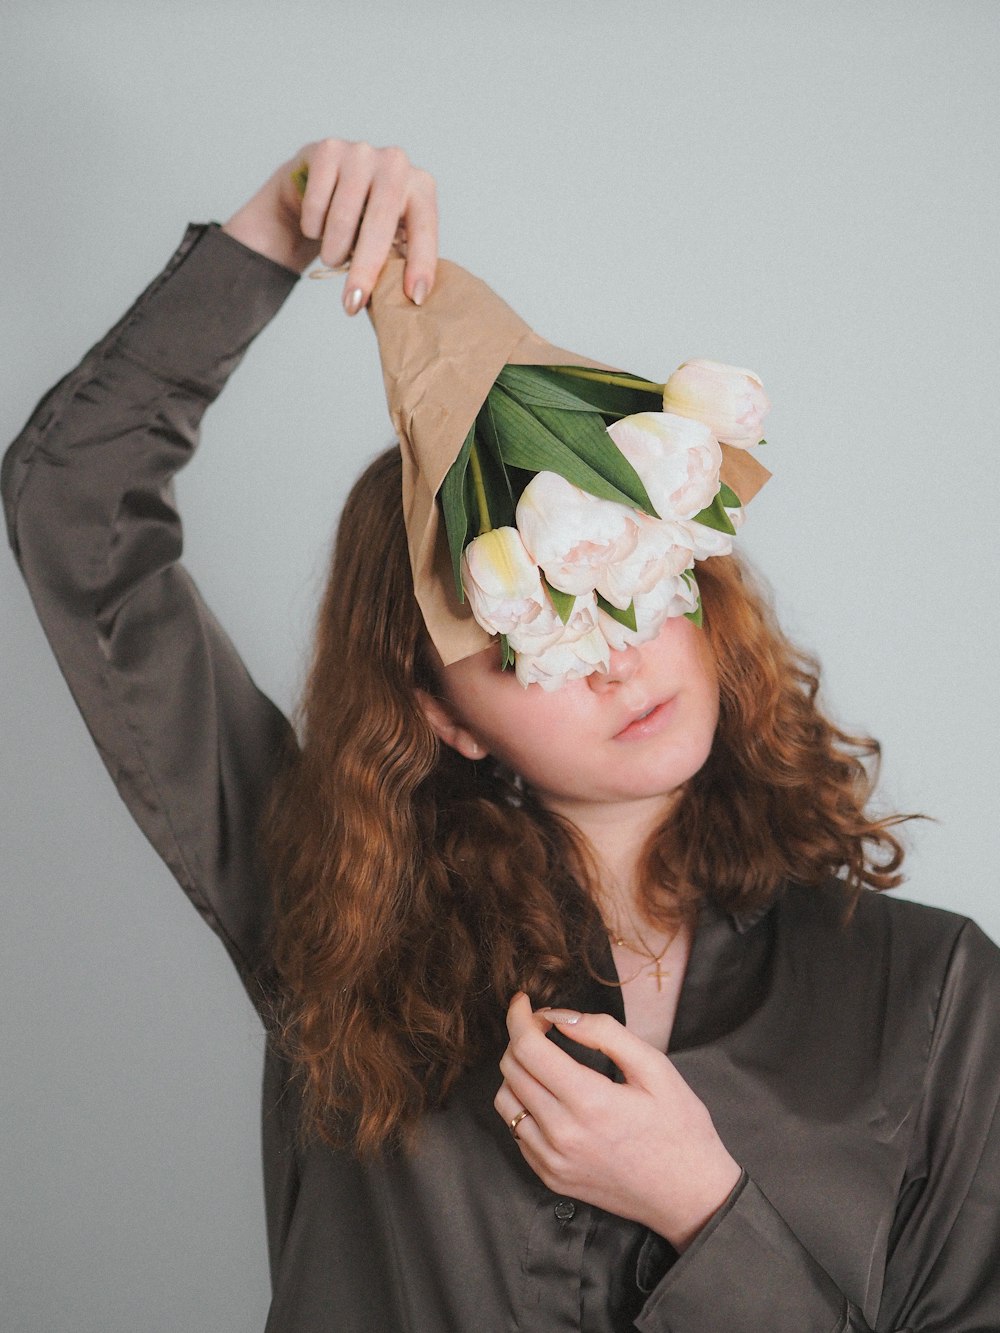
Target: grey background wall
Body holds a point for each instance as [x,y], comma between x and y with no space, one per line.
[809,190]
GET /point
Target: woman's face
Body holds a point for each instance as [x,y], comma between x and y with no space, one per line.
[633,735]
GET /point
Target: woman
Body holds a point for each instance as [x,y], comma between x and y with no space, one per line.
[474,917]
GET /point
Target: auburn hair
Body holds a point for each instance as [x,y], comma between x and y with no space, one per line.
[416,890]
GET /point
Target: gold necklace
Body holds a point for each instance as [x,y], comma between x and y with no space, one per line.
[643,951]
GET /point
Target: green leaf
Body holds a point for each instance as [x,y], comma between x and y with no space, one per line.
[611,400]
[696,617]
[506,653]
[626,617]
[453,506]
[575,445]
[531,386]
[760,442]
[499,491]
[715,516]
[562,601]
[588,437]
[729,497]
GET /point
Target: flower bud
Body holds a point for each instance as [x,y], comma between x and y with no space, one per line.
[502,581]
[729,400]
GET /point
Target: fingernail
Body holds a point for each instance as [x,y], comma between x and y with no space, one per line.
[353,299]
[419,292]
[568,1016]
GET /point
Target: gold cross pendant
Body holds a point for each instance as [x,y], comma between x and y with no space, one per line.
[659,974]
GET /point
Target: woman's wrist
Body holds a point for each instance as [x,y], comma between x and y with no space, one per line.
[269,223]
[689,1215]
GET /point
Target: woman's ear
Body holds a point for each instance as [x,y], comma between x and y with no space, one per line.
[448,727]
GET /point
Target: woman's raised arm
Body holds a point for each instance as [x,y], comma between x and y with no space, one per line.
[87,487]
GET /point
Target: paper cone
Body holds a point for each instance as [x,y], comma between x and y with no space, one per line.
[439,362]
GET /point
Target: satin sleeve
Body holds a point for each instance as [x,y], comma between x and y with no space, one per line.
[190,742]
[747,1268]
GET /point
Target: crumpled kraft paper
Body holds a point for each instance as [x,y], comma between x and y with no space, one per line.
[439,362]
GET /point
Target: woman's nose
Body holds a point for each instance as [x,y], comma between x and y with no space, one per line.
[622,665]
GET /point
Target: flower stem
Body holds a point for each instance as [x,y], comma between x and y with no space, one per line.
[479,486]
[607,377]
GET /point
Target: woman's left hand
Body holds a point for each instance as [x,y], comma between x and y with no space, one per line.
[645,1149]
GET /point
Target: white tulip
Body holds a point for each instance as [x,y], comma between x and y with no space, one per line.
[672,596]
[731,401]
[549,653]
[502,582]
[678,460]
[573,535]
[663,549]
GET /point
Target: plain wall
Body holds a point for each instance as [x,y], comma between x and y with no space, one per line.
[808,190]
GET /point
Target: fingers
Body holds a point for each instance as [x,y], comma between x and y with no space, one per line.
[346,205]
[385,202]
[509,1106]
[357,199]
[529,1091]
[558,1071]
[639,1062]
[421,220]
[323,169]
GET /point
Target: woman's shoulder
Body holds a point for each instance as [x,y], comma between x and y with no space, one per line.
[886,934]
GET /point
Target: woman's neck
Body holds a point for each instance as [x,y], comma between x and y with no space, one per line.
[616,835]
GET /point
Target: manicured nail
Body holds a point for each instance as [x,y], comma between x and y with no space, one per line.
[353,299]
[567,1016]
[419,292]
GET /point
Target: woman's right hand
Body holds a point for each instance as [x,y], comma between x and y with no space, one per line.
[356,200]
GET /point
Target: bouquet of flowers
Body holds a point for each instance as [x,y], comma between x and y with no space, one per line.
[581,499]
[548,498]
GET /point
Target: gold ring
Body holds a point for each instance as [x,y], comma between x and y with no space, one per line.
[516,1121]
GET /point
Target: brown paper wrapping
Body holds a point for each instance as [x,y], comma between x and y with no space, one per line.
[439,362]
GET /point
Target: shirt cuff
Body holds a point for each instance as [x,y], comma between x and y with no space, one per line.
[745,1269]
[221,293]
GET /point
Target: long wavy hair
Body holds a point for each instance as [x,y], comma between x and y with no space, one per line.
[416,890]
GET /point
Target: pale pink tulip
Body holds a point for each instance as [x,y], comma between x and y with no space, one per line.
[549,653]
[729,400]
[672,596]
[502,582]
[663,550]
[573,535]
[677,459]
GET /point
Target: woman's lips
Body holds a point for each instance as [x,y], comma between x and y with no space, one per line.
[649,725]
